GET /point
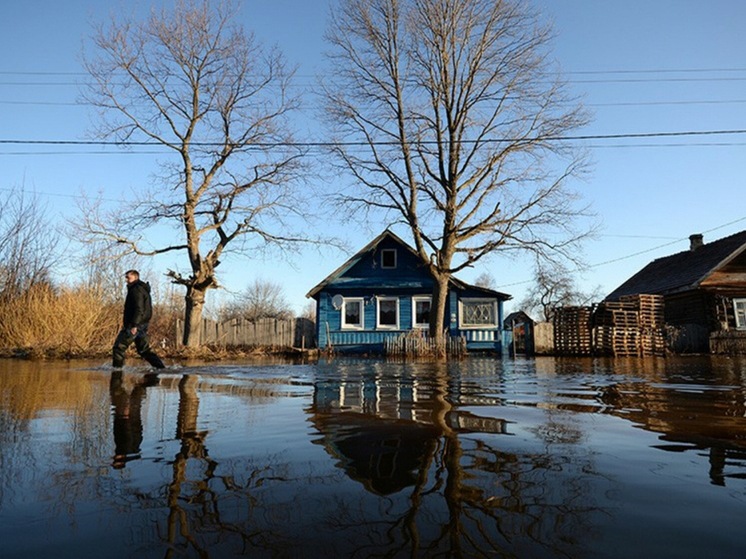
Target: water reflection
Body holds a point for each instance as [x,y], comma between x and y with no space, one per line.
[127,423]
[484,457]
[463,488]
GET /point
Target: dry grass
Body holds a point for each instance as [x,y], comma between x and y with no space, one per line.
[63,322]
[82,323]
[66,322]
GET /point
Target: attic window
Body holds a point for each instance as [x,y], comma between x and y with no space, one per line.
[739,306]
[388,258]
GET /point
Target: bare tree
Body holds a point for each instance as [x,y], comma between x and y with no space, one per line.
[29,247]
[450,117]
[485,279]
[261,299]
[555,286]
[193,83]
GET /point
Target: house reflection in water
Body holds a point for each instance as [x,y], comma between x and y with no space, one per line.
[384,433]
[373,430]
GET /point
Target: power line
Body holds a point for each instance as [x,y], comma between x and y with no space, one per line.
[569,72]
[298,78]
[638,253]
[659,103]
[667,244]
[657,71]
[330,144]
[659,80]
[57,195]
[612,104]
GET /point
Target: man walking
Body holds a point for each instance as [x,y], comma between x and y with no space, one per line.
[138,309]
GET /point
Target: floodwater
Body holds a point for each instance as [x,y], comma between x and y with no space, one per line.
[365,458]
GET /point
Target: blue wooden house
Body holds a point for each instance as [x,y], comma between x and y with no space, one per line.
[385,291]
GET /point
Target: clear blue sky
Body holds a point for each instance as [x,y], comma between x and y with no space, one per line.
[642,66]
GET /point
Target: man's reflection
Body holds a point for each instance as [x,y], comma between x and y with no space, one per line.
[127,422]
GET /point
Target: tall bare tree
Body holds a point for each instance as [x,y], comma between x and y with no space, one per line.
[449,115]
[193,82]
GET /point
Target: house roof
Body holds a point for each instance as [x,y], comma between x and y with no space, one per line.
[684,270]
[337,278]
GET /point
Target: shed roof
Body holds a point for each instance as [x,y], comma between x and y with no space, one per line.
[519,317]
[684,270]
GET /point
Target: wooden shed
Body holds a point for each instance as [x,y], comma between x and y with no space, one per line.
[704,291]
[519,333]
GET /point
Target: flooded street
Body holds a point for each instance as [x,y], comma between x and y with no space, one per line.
[361,458]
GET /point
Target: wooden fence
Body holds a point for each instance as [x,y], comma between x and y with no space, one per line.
[419,345]
[295,332]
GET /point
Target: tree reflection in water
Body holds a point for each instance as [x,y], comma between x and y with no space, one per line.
[462,495]
[196,494]
[441,479]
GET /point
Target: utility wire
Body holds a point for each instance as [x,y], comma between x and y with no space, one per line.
[328,144]
[611,104]
[641,252]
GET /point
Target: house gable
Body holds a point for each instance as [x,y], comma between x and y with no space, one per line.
[367,268]
[389,263]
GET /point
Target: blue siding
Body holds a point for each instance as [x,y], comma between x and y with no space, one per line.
[330,320]
[363,276]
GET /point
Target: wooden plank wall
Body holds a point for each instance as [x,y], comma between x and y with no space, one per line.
[295,332]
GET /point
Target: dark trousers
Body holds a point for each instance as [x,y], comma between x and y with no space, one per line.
[142,345]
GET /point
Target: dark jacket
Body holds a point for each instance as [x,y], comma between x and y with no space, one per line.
[138,308]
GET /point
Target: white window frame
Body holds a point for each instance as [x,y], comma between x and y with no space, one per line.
[478,300]
[740,324]
[418,299]
[380,326]
[361,302]
[396,258]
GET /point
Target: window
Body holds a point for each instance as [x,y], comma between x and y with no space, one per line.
[739,305]
[420,312]
[352,314]
[388,312]
[388,258]
[478,313]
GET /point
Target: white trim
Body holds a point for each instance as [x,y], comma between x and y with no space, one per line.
[417,299]
[361,325]
[379,300]
[396,258]
[740,324]
[477,300]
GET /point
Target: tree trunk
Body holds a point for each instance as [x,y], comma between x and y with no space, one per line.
[438,311]
[195,301]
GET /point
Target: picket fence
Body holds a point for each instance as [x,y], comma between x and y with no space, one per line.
[271,333]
